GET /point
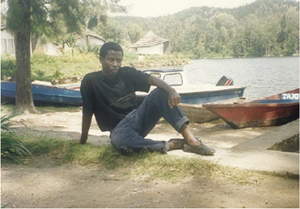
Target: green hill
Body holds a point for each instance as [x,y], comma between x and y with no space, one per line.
[263,28]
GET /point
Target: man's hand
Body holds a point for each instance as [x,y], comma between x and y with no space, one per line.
[82,140]
[86,123]
[174,99]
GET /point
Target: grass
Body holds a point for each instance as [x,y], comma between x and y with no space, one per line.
[11,146]
[8,108]
[149,166]
[65,68]
[71,68]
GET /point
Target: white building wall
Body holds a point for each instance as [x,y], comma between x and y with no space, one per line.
[50,49]
[81,41]
[158,49]
[7,43]
[95,41]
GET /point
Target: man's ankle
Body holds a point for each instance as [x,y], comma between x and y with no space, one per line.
[193,141]
[176,143]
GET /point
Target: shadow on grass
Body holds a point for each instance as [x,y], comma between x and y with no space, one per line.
[151,165]
[146,165]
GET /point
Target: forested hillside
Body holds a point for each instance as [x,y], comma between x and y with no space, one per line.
[263,28]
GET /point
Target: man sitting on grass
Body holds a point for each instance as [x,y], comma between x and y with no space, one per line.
[110,95]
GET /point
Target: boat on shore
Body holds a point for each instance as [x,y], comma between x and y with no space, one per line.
[195,94]
[196,113]
[43,94]
[274,110]
[69,94]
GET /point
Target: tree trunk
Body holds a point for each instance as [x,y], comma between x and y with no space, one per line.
[24,98]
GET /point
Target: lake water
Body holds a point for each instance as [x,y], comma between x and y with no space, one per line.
[261,76]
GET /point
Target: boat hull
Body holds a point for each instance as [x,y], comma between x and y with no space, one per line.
[43,94]
[270,111]
[198,96]
[211,96]
[197,113]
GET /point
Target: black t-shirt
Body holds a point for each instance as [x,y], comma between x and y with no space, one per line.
[111,100]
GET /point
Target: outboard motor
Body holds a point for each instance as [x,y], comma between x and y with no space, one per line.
[225,81]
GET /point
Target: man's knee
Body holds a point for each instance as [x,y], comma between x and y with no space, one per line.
[160,95]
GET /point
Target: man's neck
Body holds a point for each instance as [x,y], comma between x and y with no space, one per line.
[108,76]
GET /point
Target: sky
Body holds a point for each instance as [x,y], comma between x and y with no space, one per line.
[155,8]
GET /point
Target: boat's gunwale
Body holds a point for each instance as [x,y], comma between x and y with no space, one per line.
[255,114]
[58,95]
[249,105]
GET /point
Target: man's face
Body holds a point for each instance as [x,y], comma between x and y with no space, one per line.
[111,63]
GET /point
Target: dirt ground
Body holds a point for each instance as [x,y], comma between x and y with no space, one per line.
[75,186]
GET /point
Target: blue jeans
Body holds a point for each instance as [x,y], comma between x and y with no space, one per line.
[129,135]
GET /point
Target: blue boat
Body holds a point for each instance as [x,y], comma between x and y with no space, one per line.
[43,94]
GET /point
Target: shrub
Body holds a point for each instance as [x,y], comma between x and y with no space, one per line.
[11,147]
[8,68]
[89,49]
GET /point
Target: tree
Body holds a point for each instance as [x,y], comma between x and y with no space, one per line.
[134,32]
[239,46]
[111,31]
[53,18]
[26,17]
[18,21]
[289,35]
[270,31]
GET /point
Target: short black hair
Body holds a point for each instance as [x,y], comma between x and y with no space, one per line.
[109,46]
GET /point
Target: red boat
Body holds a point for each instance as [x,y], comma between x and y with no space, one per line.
[270,111]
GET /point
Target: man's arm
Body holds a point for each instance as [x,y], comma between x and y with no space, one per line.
[85,127]
[174,97]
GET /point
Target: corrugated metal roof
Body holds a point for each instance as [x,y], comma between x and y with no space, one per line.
[90,33]
[150,39]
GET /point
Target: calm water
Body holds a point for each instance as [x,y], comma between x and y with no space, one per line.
[261,76]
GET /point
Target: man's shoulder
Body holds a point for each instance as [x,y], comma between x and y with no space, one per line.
[91,76]
[131,71]
[127,69]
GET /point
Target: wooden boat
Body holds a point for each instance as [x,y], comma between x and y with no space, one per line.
[270,111]
[198,114]
[43,94]
[195,94]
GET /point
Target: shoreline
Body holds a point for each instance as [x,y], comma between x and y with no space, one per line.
[88,186]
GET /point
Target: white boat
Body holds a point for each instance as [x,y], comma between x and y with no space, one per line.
[193,96]
[196,94]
